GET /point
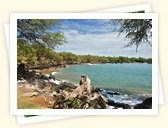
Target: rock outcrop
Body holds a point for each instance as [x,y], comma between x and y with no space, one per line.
[146,104]
[118,105]
[65,95]
[82,97]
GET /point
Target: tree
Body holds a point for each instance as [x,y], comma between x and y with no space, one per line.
[137,30]
[39,31]
[25,53]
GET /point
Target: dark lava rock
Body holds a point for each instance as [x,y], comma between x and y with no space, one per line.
[122,105]
[111,102]
[113,93]
[22,71]
[146,104]
[58,102]
[82,97]
[64,85]
[40,83]
[44,77]
[54,87]
[118,105]
[52,77]
[95,89]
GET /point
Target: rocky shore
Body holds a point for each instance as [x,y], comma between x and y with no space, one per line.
[36,90]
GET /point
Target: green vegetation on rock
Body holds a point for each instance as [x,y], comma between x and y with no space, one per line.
[29,106]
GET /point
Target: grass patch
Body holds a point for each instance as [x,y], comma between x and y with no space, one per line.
[29,106]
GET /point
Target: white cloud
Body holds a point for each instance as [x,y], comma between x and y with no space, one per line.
[109,44]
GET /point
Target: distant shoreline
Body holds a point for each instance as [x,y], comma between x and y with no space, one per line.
[54,68]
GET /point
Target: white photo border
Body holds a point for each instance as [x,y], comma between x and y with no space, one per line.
[13,64]
[146,7]
[131,8]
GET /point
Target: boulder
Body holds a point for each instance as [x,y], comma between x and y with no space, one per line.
[64,85]
[22,71]
[58,104]
[95,89]
[113,93]
[146,104]
[50,87]
[84,105]
[102,102]
[82,96]
[52,77]
[110,102]
[122,105]
[118,105]
[44,77]
[85,81]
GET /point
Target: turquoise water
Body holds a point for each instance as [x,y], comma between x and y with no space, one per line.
[126,78]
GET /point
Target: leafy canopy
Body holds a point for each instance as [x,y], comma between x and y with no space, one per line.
[137,30]
[39,31]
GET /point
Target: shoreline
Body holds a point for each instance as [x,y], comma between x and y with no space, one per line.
[49,71]
[55,68]
[46,71]
[146,93]
[115,100]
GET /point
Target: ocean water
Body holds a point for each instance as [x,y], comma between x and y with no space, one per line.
[132,79]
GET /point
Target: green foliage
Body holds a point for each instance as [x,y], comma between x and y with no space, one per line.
[137,30]
[72,103]
[29,106]
[42,52]
[68,57]
[58,58]
[149,60]
[36,41]
[25,53]
[109,59]
[35,54]
[38,31]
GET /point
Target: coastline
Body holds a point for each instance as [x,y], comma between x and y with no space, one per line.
[44,95]
[110,82]
[47,70]
[55,68]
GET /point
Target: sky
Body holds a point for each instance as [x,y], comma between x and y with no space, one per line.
[97,37]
